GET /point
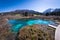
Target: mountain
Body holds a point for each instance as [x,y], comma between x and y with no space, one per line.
[28,11]
[56,10]
[48,10]
[52,10]
[22,12]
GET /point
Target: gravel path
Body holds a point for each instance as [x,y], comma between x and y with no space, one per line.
[57,33]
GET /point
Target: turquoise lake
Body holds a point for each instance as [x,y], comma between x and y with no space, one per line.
[18,24]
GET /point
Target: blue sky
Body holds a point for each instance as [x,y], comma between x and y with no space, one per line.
[37,5]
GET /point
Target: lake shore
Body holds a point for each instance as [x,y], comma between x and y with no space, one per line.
[4,27]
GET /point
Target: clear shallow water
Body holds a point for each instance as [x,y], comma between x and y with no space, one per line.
[18,24]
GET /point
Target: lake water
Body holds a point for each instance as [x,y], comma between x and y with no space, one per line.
[18,24]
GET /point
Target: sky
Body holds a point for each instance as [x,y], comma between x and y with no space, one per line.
[36,5]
